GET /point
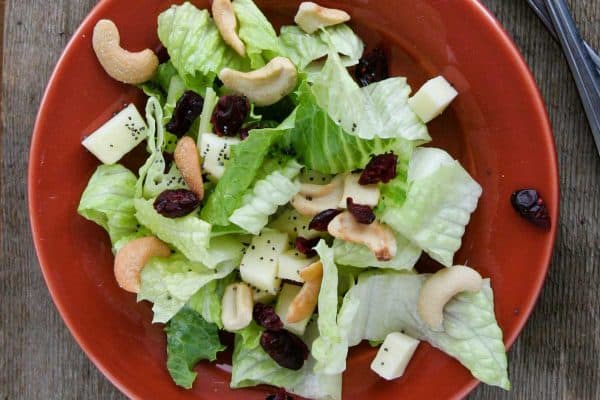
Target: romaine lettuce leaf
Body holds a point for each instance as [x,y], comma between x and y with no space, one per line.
[275,190]
[241,171]
[170,282]
[471,334]
[210,102]
[188,234]
[331,347]
[195,46]
[256,32]
[158,86]
[207,300]
[108,201]
[437,209]
[189,340]
[303,48]
[224,248]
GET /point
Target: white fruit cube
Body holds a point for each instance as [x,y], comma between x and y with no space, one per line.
[118,136]
[393,355]
[367,195]
[262,296]
[215,151]
[259,266]
[432,99]
[290,264]
[286,296]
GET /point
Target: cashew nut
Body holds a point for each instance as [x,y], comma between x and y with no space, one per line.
[132,257]
[312,199]
[312,17]
[376,236]
[237,305]
[226,22]
[187,161]
[120,64]
[440,287]
[306,300]
[266,85]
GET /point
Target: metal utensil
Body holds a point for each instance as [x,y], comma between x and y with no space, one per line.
[540,9]
[582,67]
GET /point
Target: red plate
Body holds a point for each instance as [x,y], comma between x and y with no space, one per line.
[497,128]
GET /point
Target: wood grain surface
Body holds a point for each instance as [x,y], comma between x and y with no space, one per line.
[557,356]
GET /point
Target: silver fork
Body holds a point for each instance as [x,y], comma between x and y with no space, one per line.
[581,62]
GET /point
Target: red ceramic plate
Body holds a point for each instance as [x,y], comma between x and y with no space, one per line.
[497,128]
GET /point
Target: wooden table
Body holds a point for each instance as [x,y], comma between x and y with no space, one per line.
[557,356]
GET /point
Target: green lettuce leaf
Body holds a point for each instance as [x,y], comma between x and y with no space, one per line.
[188,234]
[207,300]
[224,248]
[393,193]
[256,32]
[471,333]
[108,201]
[195,46]
[324,146]
[377,110]
[158,86]
[275,190]
[210,102]
[303,48]
[170,282]
[331,347]
[189,340]
[437,208]
[244,165]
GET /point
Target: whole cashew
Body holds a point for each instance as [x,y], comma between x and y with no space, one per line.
[120,64]
[132,257]
[306,300]
[312,199]
[266,85]
[440,287]
[237,305]
[187,161]
[376,236]
[226,22]
[312,17]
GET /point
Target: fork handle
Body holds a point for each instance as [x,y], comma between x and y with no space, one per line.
[586,76]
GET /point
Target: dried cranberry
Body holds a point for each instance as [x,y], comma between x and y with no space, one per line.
[287,349]
[229,115]
[530,205]
[280,395]
[322,219]
[244,133]
[381,168]
[174,203]
[266,317]
[306,246]
[362,214]
[162,54]
[372,67]
[188,108]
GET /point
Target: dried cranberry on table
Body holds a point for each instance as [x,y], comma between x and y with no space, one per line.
[287,349]
[280,395]
[265,316]
[188,108]
[372,67]
[361,213]
[306,246]
[322,219]
[229,115]
[174,203]
[381,168]
[530,205]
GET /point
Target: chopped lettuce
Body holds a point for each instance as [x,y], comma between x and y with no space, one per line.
[437,208]
[195,46]
[303,48]
[275,190]
[108,201]
[331,347]
[256,32]
[240,172]
[207,300]
[224,248]
[170,282]
[471,333]
[189,340]
[210,102]
[188,234]
[394,192]
[158,86]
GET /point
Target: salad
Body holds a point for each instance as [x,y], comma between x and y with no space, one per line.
[286,198]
